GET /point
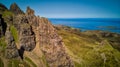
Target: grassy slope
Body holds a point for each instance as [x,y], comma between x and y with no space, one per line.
[2,45]
[1,63]
[88,51]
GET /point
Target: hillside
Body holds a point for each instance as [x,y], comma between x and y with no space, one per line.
[91,48]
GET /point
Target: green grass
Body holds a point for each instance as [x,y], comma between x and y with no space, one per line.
[14,33]
[2,42]
[7,14]
[88,50]
[1,63]
[44,60]
[30,61]
[17,63]
[77,64]
[2,45]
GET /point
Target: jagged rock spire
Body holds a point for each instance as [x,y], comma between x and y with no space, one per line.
[2,8]
[15,9]
[29,11]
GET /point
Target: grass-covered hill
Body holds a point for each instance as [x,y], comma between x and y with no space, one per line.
[91,48]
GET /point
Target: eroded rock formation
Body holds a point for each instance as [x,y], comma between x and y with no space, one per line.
[11,48]
[29,11]
[1,29]
[15,9]
[2,8]
[51,44]
[2,26]
[30,28]
[26,35]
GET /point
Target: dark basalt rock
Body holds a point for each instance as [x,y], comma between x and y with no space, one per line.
[15,9]
[2,26]
[1,29]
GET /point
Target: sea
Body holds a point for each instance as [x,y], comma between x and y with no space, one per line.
[84,24]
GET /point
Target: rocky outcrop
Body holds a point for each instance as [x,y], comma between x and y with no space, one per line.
[26,35]
[11,49]
[1,29]
[15,9]
[2,26]
[29,11]
[2,8]
[30,28]
[50,43]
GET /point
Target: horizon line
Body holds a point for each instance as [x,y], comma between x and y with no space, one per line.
[79,18]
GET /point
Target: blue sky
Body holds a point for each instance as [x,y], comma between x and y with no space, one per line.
[70,8]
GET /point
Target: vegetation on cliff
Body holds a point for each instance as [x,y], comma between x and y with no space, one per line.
[14,33]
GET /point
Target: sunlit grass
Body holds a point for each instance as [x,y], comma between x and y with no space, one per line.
[30,61]
[17,63]
[14,33]
[2,45]
[1,63]
[89,51]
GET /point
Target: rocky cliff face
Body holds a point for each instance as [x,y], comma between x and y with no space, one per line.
[11,48]
[2,8]
[51,44]
[1,28]
[15,9]
[26,34]
[35,31]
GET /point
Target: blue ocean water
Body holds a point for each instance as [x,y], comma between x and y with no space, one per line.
[107,24]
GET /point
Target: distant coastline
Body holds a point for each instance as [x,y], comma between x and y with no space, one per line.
[84,24]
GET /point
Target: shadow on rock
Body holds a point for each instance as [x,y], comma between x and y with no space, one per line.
[3,24]
[21,52]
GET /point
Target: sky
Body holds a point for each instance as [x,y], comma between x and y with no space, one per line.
[70,8]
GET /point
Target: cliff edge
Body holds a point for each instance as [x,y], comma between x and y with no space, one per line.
[31,40]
